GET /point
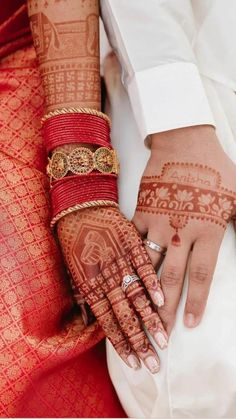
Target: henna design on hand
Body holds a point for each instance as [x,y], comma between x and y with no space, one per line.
[96,250]
[186,191]
[100,247]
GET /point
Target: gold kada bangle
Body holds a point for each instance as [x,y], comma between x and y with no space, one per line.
[81,161]
[98,203]
[64,111]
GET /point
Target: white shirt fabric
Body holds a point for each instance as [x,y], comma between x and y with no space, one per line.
[178,68]
[164,47]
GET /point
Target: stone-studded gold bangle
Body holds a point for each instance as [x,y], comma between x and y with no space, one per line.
[98,203]
[81,161]
[64,111]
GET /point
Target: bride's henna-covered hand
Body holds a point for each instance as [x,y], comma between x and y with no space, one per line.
[100,247]
[187,197]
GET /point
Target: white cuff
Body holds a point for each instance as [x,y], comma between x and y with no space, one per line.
[168,97]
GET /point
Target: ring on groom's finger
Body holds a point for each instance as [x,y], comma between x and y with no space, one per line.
[128,280]
[155,246]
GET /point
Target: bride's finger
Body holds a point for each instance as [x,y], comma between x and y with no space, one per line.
[145,270]
[136,293]
[108,321]
[102,310]
[143,306]
[127,318]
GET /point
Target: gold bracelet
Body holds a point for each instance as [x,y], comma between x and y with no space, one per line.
[64,111]
[98,203]
[82,161]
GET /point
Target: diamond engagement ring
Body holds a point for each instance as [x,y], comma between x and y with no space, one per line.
[154,246]
[128,280]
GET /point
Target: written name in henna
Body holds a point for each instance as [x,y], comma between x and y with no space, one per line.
[190,174]
[185,191]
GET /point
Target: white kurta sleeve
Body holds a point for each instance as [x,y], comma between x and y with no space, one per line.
[153,40]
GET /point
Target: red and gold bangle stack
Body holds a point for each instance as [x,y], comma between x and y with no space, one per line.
[82,178]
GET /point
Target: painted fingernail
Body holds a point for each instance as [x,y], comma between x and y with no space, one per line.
[190,320]
[152,364]
[161,340]
[133,362]
[158,298]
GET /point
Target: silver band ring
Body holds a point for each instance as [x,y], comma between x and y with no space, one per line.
[128,280]
[154,246]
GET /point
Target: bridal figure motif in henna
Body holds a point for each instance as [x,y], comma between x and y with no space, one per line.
[186,191]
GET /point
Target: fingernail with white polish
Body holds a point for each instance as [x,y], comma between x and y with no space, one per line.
[190,320]
[133,362]
[161,340]
[158,298]
[152,364]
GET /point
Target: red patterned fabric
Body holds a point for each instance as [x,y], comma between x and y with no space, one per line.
[50,364]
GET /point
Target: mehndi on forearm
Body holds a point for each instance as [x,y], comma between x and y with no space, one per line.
[66,40]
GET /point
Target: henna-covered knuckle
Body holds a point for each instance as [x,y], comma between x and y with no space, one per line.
[171,276]
[147,274]
[137,296]
[152,282]
[127,318]
[131,327]
[146,352]
[150,319]
[139,256]
[113,274]
[107,320]
[144,267]
[200,274]
[153,323]
[110,326]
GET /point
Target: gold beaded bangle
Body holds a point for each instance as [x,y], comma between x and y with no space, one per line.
[64,111]
[81,161]
[99,203]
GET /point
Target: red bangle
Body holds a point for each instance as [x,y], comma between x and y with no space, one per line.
[76,128]
[73,190]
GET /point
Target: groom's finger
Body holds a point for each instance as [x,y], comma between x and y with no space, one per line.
[172,278]
[140,225]
[201,270]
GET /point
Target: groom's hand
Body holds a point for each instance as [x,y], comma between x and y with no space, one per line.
[187,197]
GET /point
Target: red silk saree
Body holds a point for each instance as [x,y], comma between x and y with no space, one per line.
[51,365]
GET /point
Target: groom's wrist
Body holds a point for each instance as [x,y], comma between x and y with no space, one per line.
[186,138]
